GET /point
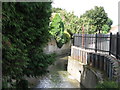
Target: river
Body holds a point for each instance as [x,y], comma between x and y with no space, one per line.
[58,77]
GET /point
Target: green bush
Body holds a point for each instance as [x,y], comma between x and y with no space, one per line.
[71,22]
[57,30]
[22,84]
[25,28]
[108,84]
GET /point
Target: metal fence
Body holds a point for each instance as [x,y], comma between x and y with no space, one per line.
[105,43]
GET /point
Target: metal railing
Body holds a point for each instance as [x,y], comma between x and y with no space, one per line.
[105,43]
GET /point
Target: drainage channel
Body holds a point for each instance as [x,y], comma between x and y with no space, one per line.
[58,77]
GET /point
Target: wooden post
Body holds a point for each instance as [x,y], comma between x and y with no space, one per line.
[83,36]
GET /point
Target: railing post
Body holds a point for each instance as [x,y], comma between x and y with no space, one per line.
[117,36]
[96,42]
[110,44]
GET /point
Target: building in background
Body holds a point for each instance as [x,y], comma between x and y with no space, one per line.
[114,29]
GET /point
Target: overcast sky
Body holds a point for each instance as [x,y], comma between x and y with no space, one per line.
[80,6]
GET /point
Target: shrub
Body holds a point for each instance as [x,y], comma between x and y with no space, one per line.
[25,32]
[108,84]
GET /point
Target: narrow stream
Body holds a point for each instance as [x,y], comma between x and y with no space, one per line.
[58,77]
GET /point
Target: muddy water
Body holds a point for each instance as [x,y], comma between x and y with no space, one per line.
[58,77]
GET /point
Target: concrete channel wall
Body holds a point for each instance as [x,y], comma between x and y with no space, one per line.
[89,67]
[51,47]
[86,76]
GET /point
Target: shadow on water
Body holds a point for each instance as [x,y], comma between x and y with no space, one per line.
[58,77]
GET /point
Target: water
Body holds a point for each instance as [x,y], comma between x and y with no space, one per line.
[58,77]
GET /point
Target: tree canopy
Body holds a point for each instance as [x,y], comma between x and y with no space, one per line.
[98,18]
[71,22]
[93,20]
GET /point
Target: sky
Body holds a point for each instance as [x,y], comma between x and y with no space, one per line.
[80,6]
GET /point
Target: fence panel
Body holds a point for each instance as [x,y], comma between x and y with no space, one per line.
[113,45]
[105,43]
[118,46]
[89,41]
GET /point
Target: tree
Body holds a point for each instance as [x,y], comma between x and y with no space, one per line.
[87,23]
[25,32]
[105,29]
[99,18]
[107,26]
[71,22]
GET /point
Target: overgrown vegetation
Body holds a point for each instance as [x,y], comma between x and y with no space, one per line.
[108,84]
[71,22]
[27,28]
[57,30]
[25,32]
[93,21]
[63,25]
